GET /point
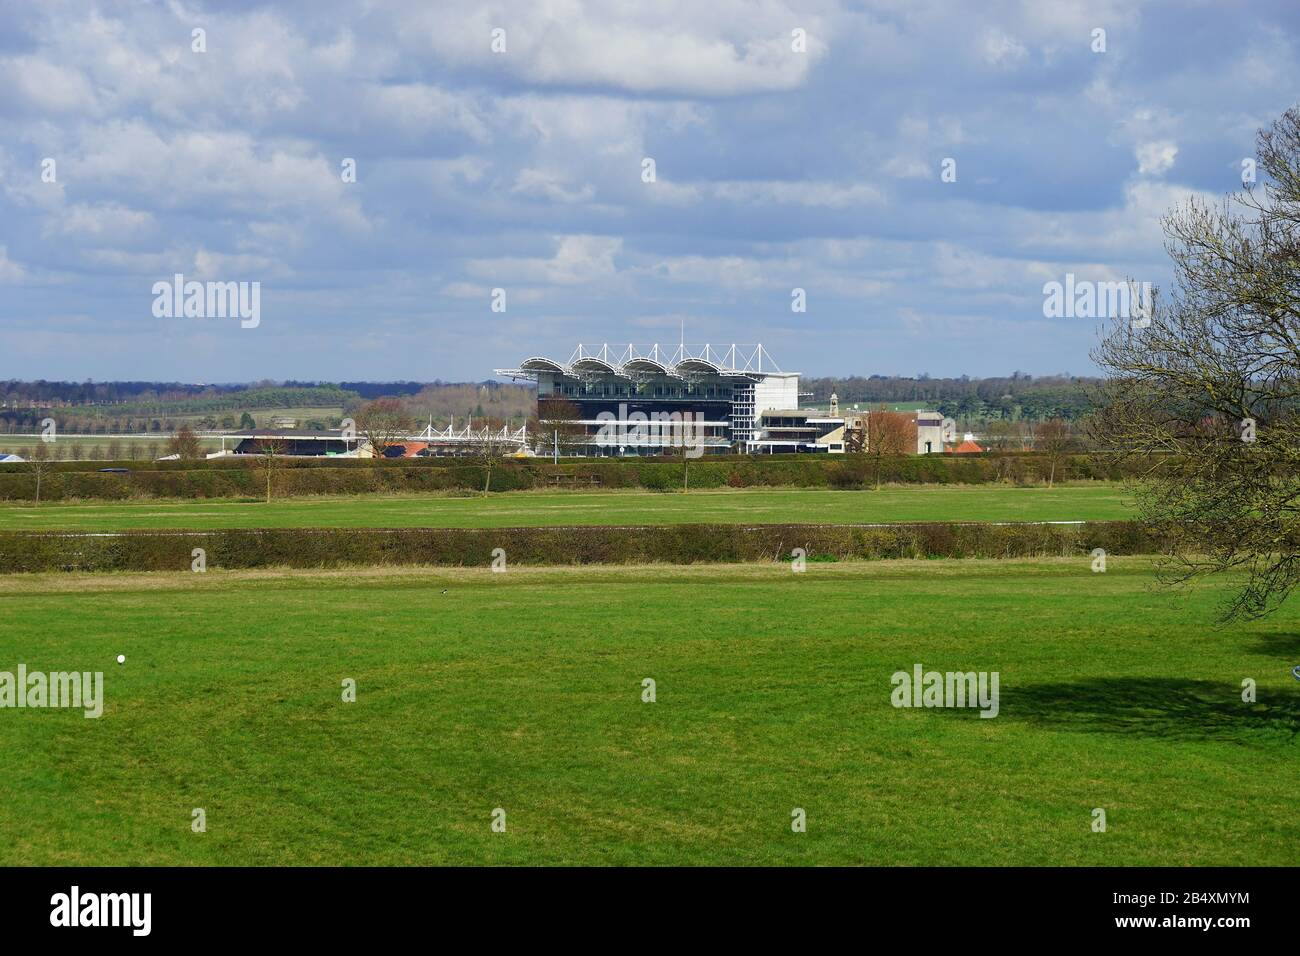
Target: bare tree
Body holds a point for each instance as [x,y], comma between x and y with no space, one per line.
[489,446]
[269,453]
[40,465]
[1204,392]
[1022,435]
[184,444]
[557,426]
[888,435]
[685,452]
[383,423]
[998,434]
[1054,439]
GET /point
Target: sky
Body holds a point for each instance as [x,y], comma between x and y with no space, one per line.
[505,146]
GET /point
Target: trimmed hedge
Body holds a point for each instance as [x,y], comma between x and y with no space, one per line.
[241,479]
[22,551]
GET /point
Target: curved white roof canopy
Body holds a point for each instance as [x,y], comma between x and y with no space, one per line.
[647,365]
[699,366]
[590,364]
[750,363]
[539,363]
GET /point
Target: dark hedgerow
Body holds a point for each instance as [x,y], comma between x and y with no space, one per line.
[222,478]
[28,551]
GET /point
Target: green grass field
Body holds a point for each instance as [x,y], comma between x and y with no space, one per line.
[1092,502]
[523,691]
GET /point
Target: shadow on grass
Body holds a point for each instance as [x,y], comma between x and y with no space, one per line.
[1168,708]
[1285,645]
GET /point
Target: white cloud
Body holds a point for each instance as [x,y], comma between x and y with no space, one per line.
[127,262]
[1126,239]
[217,171]
[549,185]
[733,272]
[964,268]
[226,267]
[10,271]
[724,48]
[584,258]
[417,108]
[668,193]
[1001,49]
[98,221]
[1156,158]
[577,259]
[799,193]
[466,290]
[904,166]
[46,87]
[661,61]
[924,141]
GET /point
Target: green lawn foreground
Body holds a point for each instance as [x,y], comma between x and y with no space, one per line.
[1092,502]
[523,691]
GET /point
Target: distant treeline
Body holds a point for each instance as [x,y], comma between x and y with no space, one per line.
[42,392]
[443,401]
[125,408]
[971,399]
[119,398]
[372,390]
[161,409]
[93,393]
[156,406]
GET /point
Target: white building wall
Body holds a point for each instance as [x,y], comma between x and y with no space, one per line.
[929,434]
[775,392]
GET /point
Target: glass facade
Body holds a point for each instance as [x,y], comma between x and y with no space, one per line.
[701,411]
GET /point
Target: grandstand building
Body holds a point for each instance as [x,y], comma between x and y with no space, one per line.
[633,401]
